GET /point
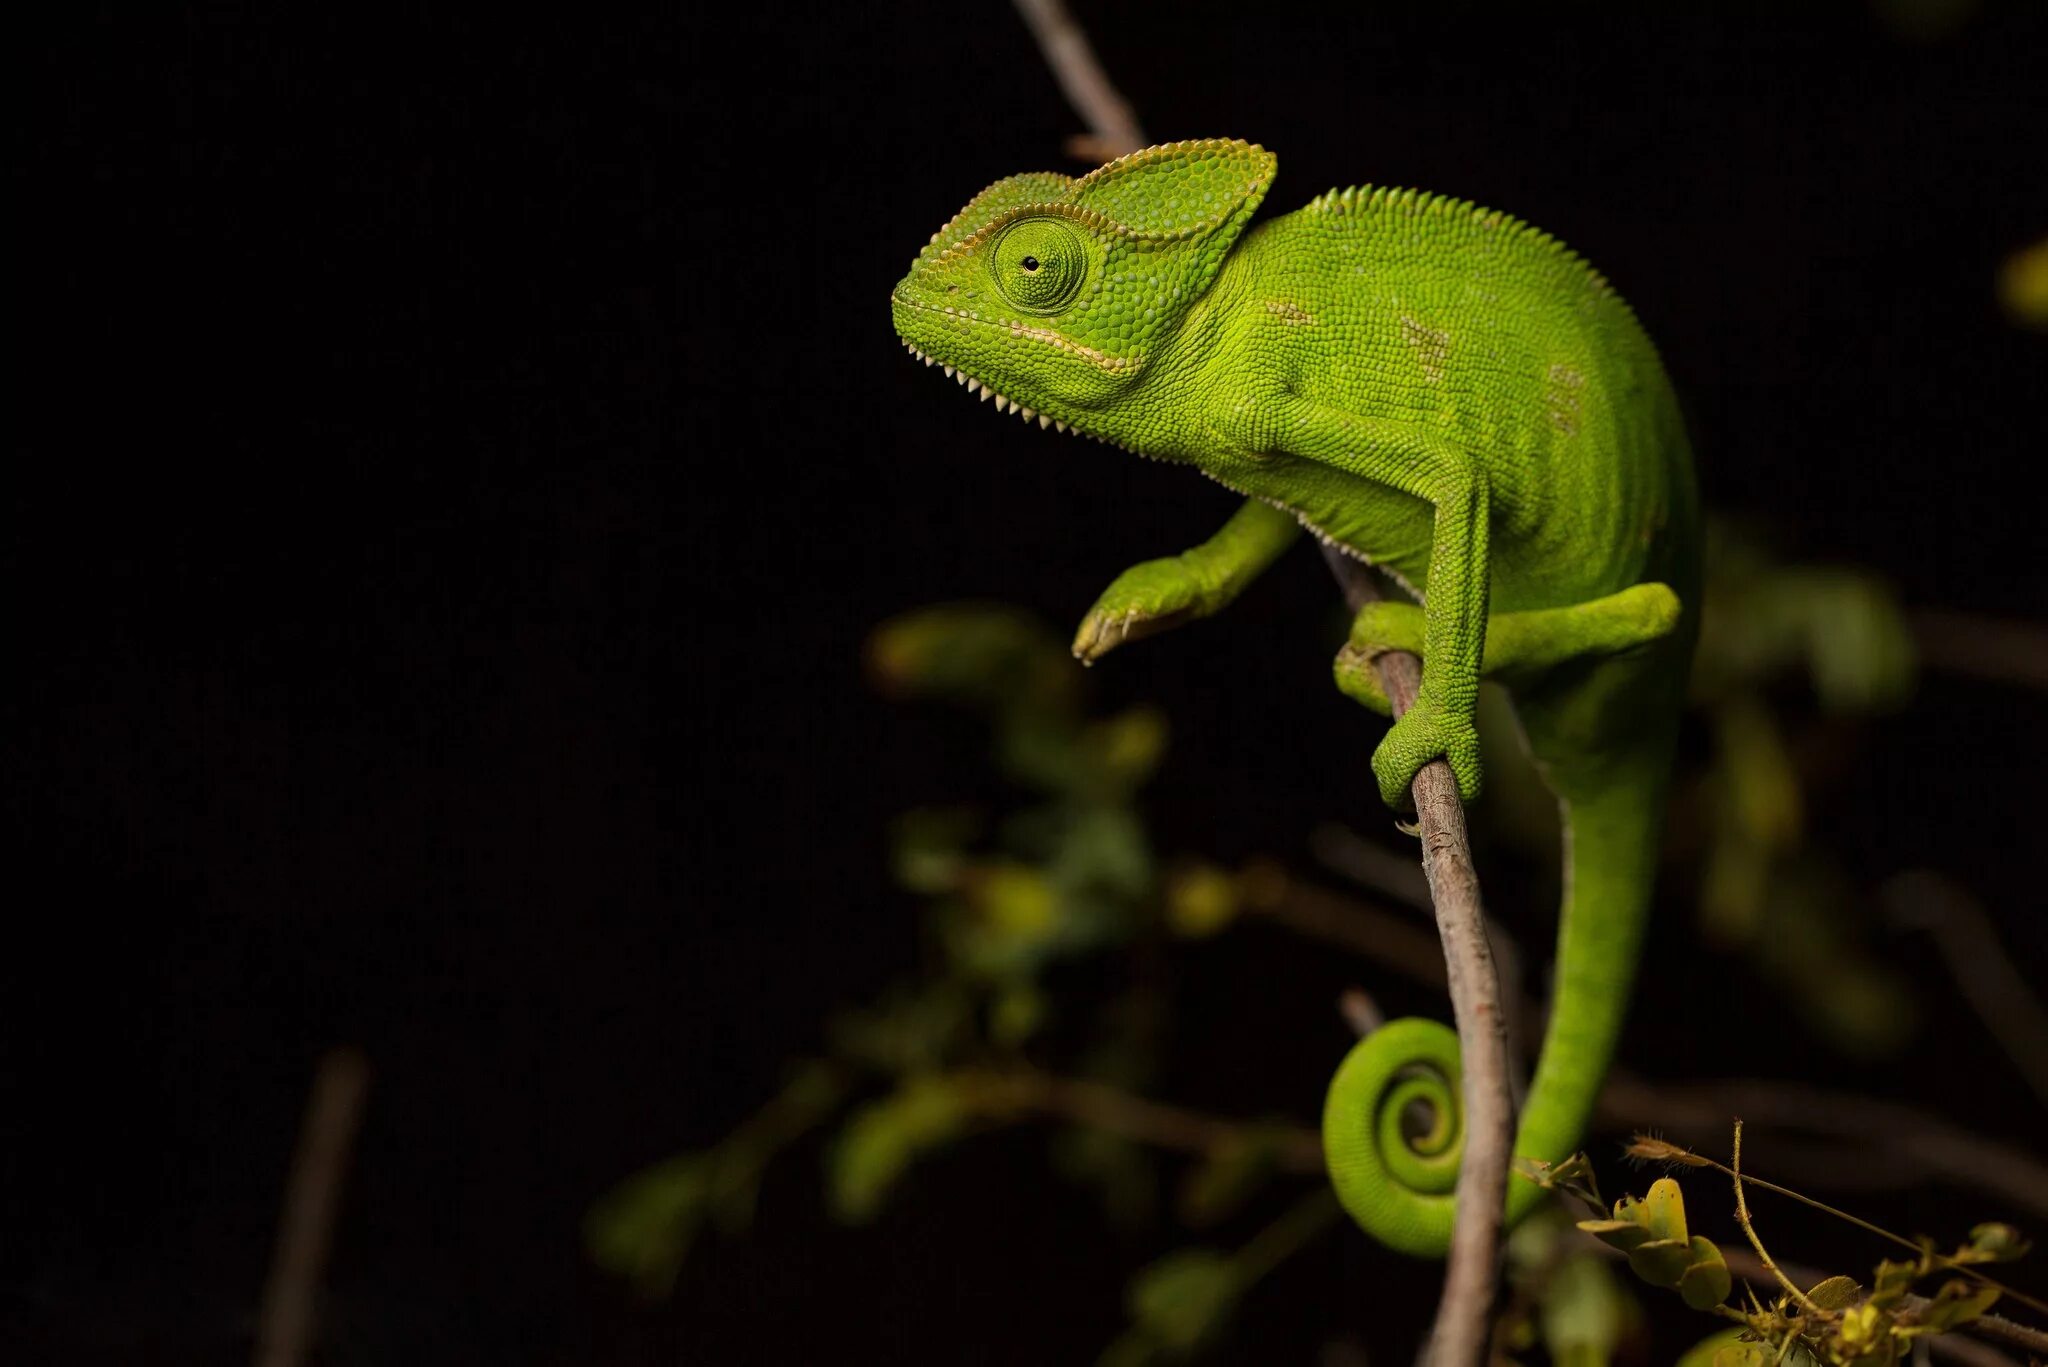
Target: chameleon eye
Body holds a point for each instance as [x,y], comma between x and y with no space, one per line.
[1039,264]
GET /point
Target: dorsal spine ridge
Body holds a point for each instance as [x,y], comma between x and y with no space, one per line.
[1355,199]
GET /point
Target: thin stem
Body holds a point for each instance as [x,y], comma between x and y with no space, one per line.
[1742,1218]
[1939,1259]
[1134,1117]
[1113,126]
[305,1230]
[1286,1236]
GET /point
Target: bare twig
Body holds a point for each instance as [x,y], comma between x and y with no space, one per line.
[1749,1229]
[305,1228]
[1472,1276]
[1360,1011]
[1993,648]
[1113,128]
[1118,1112]
[1990,982]
[1343,850]
[1903,1133]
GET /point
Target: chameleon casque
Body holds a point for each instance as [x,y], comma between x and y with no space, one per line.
[1444,392]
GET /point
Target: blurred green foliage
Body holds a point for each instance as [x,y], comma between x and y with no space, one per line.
[989,1033]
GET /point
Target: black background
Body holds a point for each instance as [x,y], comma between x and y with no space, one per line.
[465,453]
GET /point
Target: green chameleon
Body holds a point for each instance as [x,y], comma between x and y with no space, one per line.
[1437,389]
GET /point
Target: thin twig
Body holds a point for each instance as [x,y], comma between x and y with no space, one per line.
[1742,1218]
[1664,1150]
[305,1227]
[1343,850]
[1472,1277]
[1107,1108]
[1902,1132]
[1994,648]
[1991,983]
[1113,128]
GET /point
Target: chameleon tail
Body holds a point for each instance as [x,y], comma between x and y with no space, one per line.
[1393,1125]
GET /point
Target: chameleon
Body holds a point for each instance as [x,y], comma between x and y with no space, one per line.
[1437,389]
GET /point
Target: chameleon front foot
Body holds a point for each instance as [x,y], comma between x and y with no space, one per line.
[1145,599]
[1423,733]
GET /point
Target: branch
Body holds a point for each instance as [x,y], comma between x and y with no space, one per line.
[1464,1315]
[1113,129]
[1982,647]
[1982,968]
[290,1314]
[1130,1116]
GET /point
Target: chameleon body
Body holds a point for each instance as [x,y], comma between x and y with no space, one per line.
[1440,390]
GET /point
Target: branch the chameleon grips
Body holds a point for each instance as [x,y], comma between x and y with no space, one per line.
[1479,1052]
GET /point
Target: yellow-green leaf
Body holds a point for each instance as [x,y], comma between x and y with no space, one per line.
[1957,1302]
[1183,1296]
[1660,1262]
[1835,1293]
[1998,1243]
[1664,1211]
[1705,1283]
[883,1138]
[1200,901]
[1622,1234]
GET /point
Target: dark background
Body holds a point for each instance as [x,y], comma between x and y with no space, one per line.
[464,454]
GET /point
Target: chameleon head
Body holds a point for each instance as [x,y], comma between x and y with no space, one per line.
[1054,293]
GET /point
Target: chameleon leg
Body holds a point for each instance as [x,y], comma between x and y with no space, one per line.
[1151,597]
[1521,647]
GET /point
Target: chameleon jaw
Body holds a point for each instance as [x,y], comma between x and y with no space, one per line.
[1004,404]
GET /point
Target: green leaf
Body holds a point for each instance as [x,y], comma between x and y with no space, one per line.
[1181,1298]
[1660,1262]
[1016,1014]
[1200,901]
[882,1139]
[1725,1348]
[643,1228]
[1229,1173]
[1836,1293]
[929,847]
[1957,1302]
[1663,1211]
[1128,746]
[1625,1235]
[1996,1243]
[1582,1312]
[1705,1283]
[1892,1282]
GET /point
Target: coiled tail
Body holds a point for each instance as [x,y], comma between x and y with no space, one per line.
[1393,1125]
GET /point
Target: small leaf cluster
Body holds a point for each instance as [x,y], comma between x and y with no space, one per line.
[1652,1232]
[1837,1322]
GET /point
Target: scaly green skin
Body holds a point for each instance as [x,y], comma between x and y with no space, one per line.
[1435,388]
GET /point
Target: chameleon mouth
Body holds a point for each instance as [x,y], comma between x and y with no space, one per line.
[1004,404]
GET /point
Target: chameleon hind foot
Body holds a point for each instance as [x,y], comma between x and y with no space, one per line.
[1520,647]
